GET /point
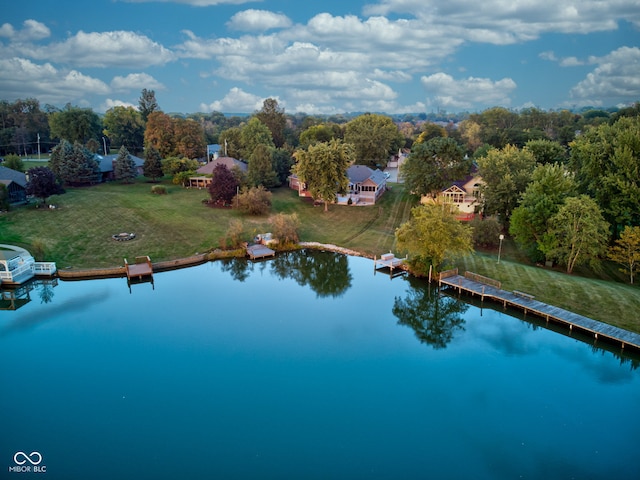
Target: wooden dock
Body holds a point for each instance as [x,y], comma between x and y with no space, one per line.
[141,269]
[484,287]
[389,261]
[259,251]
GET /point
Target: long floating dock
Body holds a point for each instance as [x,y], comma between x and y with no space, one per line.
[484,287]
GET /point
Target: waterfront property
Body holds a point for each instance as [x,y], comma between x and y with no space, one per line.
[17,266]
[366,186]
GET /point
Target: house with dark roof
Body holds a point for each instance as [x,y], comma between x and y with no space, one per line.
[16,183]
[464,194]
[204,172]
[366,186]
[107,165]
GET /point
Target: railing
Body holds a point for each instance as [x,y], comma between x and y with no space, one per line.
[44,268]
[484,280]
[16,272]
[448,273]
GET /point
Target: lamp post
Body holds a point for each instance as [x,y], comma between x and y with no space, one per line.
[500,247]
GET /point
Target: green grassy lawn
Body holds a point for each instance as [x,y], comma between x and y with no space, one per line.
[77,234]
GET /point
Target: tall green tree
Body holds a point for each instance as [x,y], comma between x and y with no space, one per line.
[125,127]
[75,124]
[506,174]
[273,116]
[252,134]
[125,168]
[324,132]
[577,234]
[231,143]
[323,167]
[606,162]
[551,184]
[147,103]
[626,251]
[152,167]
[547,151]
[260,171]
[434,165]
[374,137]
[431,236]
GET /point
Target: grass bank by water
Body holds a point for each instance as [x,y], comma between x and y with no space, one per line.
[77,235]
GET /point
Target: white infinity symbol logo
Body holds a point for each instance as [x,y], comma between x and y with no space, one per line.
[27,458]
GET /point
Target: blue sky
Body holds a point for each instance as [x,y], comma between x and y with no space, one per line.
[393,56]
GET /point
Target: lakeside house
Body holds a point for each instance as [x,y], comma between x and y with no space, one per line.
[206,171]
[366,186]
[464,194]
[16,183]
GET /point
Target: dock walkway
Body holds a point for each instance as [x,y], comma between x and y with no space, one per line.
[475,285]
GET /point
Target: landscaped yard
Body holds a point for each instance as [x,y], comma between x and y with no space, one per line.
[77,234]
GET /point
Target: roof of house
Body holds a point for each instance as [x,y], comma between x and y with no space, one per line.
[106,161]
[362,173]
[8,175]
[228,162]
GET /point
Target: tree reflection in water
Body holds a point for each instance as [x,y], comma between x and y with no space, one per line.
[326,273]
[434,318]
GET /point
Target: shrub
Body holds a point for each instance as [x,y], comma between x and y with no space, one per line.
[159,189]
[254,201]
[285,228]
[486,232]
[235,234]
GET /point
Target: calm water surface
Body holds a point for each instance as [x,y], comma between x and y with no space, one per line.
[307,366]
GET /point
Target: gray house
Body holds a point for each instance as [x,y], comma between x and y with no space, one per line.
[16,183]
[107,165]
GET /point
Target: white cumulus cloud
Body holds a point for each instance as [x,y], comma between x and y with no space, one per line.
[258,21]
[616,77]
[136,81]
[236,100]
[445,91]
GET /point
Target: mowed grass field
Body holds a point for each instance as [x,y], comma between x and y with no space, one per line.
[77,235]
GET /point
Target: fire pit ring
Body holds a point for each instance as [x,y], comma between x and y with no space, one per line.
[123,237]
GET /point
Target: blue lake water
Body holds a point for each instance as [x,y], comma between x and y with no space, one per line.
[308,366]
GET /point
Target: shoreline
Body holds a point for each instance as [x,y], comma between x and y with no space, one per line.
[217,254]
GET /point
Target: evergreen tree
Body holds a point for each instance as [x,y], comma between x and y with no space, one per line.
[152,167]
[125,168]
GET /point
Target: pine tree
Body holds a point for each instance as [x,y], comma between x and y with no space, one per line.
[125,168]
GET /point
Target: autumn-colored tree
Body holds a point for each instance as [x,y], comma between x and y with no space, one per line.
[626,251]
[189,138]
[159,134]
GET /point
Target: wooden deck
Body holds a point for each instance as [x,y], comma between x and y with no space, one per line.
[259,251]
[473,284]
[140,269]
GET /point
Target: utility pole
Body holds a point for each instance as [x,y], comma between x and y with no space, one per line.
[38,146]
